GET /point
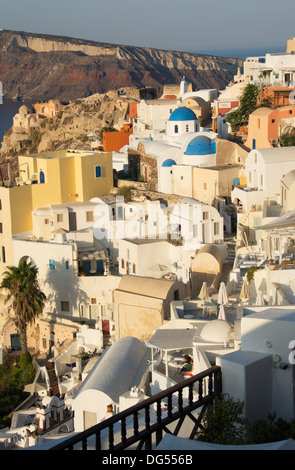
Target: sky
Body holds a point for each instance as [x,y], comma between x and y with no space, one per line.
[192,26]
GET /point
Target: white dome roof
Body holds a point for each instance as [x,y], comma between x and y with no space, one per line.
[216,331]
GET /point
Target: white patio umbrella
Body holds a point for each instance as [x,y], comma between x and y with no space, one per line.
[245,293]
[204,294]
[221,315]
[34,387]
[259,299]
[222,298]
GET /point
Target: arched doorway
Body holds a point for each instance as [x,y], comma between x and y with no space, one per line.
[28,259]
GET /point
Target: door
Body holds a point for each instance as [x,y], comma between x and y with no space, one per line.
[90,419]
[14,342]
[106,327]
[206,233]
[73,221]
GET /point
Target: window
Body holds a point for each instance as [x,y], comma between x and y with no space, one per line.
[205,215]
[261,180]
[3,254]
[123,264]
[67,265]
[205,185]
[0,204]
[93,300]
[98,171]
[1,227]
[65,306]
[51,264]
[134,269]
[176,129]
[89,216]
[128,253]
[46,221]
[187,128]
[216,228]
[273,121]
[59,217]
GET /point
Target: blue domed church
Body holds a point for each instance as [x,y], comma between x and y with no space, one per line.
[182,121]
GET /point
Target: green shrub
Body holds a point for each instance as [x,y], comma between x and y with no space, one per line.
[251,271]
[125,191]
[13,378]
[271,430]
[223,422]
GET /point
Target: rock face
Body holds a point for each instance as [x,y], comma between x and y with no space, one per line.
[43,67]
[72,126]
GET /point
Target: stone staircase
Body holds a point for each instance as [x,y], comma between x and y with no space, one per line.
[231,250]
[52,378]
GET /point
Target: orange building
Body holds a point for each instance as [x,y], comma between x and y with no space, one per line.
[277,96]
[48,109]
[266,125]
[114,141]
[132,111]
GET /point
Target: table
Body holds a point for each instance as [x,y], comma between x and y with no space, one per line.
[210,308]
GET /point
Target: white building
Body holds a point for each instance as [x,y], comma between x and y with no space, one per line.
[122,367]
[274,69]
[152,116]
[182,229]
[73,266]
[264,169]
[260,374]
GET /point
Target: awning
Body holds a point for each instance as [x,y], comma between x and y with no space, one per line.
[171,340]
[286,220]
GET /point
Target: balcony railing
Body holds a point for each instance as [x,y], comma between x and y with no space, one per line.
[170,407]
[286,264]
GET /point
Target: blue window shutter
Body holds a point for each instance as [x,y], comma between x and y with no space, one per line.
[98,171]
[51,264]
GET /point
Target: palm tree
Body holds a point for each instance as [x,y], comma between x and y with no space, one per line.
[27,299]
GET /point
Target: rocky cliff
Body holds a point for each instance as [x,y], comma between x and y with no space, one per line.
[43,67]
[76,125]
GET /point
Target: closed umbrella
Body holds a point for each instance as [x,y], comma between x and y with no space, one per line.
[245,293]
[204,294]
[221,315]
[222,298]
[268,250]
[259,299]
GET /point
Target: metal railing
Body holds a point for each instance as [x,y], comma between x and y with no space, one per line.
[168,406]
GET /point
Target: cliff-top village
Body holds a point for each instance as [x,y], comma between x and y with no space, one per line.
[163,254]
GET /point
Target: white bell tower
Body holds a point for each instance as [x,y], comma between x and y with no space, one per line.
[182,88]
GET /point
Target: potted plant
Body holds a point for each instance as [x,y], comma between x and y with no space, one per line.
[271,264]
[110,408]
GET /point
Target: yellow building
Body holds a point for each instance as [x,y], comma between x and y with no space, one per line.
[50,178]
